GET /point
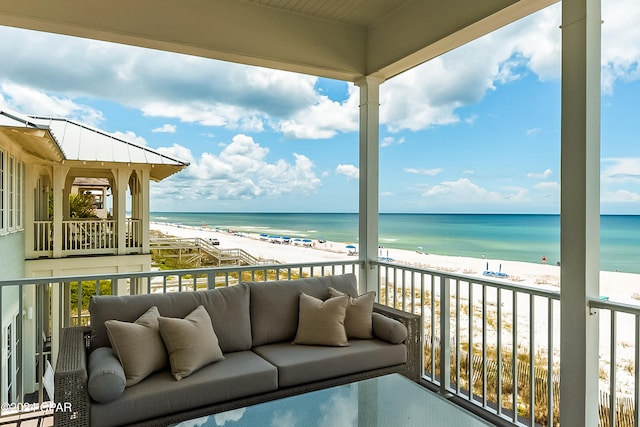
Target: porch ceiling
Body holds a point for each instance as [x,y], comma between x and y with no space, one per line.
[341,39]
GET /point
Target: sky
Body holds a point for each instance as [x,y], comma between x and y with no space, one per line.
[476,130]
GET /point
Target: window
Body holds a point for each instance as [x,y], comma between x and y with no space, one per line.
[12,185]
[12,174]
[19,185]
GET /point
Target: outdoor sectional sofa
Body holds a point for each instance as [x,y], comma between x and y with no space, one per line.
[255,324]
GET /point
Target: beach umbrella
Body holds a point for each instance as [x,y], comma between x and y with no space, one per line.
[350,247]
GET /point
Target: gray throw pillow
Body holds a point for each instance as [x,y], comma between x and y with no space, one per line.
[191,342]
[138,345]
[389,330]
[357,321]
[106,376]
[322,322]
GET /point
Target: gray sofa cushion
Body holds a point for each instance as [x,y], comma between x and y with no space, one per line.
[239,375]
[274,305]
[227,307]
[388,329]
[300,364]
[106,376]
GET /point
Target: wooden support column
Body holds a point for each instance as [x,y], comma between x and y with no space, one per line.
[369,165]
[580,212]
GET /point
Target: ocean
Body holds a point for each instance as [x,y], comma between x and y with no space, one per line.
[509,237]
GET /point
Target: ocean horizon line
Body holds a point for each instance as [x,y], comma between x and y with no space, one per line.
[380,213]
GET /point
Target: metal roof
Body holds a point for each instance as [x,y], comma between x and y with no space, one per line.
[56,139]
[83,143]
[31,138]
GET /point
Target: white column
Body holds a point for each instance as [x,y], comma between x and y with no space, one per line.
[28,213]
[144,210]
[59,178]
[369,165]
[121,179]
[580,211]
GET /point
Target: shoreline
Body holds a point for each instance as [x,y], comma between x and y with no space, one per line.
[616,286]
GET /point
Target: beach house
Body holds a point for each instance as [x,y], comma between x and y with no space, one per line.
[43,161]
[361,41]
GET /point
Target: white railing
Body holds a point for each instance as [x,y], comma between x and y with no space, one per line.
[42,238]
[620,347]
[474,330]
[86,237]
[133,233]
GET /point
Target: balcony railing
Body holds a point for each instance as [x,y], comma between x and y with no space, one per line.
[489,344]
[86,237]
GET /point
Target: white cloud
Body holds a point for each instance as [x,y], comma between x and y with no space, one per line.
[465,191]
[546,186]
[533,131]
[621,170]
[166,128]
[388,141]
[350,171]
[323,119]
[429,95]
[546,174]
[28,100]
[130,136]
[620,196]
[231,416]
[620,42]
[241,171]
[428,172]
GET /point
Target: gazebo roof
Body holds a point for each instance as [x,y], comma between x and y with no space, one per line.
[83,143]
[341,39]
[56,139]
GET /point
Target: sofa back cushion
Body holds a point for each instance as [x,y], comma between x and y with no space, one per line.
[228,308]
[275,305]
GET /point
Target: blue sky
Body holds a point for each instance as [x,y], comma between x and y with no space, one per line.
[475,130]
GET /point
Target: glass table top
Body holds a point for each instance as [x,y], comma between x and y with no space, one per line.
[391,400]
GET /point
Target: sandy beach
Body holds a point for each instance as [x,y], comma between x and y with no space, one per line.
[617,286]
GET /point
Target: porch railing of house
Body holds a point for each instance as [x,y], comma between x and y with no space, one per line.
[489,344]
[86,237]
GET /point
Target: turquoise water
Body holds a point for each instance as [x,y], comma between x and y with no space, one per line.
[511,237]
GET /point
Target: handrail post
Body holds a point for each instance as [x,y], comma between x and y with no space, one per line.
[445,334]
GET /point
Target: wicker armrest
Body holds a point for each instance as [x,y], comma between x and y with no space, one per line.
[413,342]
[70,379]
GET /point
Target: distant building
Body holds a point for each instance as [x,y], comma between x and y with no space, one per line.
[42,161]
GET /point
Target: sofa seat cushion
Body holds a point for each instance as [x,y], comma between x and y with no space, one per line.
[299,364]
[274,305]
[240,374]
